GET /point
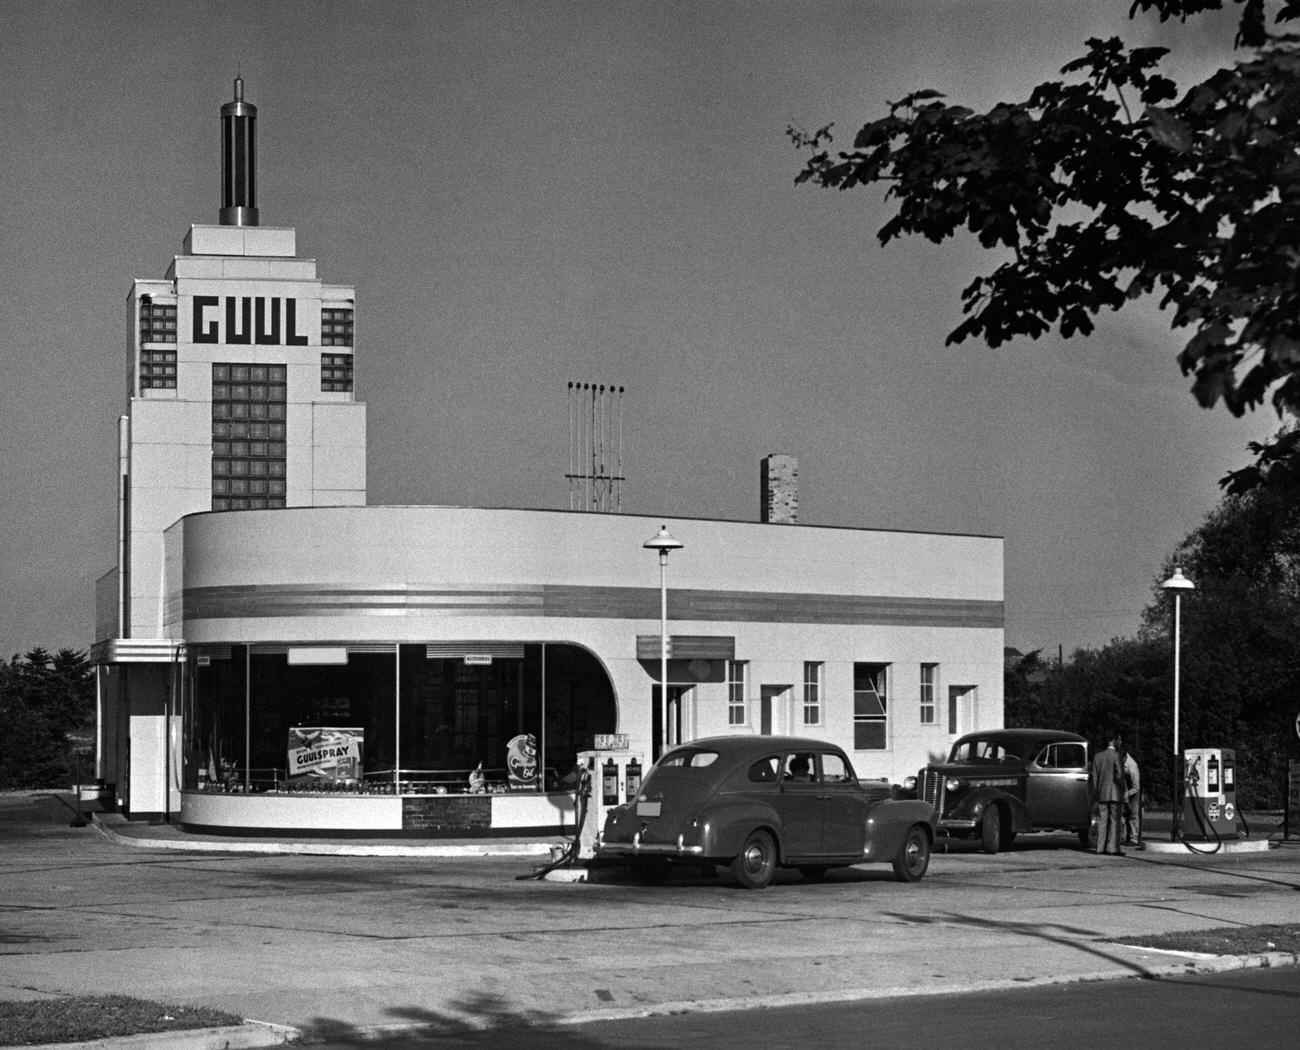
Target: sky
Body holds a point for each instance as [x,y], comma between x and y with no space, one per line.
[531,194]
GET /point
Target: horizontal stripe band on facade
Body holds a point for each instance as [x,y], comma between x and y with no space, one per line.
[256,601]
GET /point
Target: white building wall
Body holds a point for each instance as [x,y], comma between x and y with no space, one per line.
[413,574]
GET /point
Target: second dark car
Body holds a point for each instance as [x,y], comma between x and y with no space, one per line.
[754,804]
[1000,782]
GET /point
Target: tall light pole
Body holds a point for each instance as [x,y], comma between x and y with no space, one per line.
[1177,583]
[663,542]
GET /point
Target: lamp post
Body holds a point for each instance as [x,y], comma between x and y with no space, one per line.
[1177,583]
[663,542]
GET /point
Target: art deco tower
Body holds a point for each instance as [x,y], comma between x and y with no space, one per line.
[239,375]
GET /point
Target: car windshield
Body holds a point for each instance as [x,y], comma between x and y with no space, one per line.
[981,749]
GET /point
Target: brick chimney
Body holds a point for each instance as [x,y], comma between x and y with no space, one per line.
[780,490]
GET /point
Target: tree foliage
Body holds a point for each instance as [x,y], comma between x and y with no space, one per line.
[1111,185]
[46,705]
[1241,633]
[1239,656]
[1123,687]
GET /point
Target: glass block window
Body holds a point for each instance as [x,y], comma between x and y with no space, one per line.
[157,321]
[929,694]
[157,369]
[335,327]
[812,694]
[248,436]
[870,707]
[336,372]
[737,675]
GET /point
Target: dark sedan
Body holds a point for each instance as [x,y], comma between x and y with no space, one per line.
[753,804]
[1000,782]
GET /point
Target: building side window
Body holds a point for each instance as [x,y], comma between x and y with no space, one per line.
[157,369]
[929,694]
[812,694]
[737,673]
[249,456]
[870,706]
[157,322]
[335,327]
[336,372]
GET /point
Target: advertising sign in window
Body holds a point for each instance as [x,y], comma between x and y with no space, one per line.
[521,761]
[329,754]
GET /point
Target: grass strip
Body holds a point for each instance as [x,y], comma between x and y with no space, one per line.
[31,1022]
[1227,940]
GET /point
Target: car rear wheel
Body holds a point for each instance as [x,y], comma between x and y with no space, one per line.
[991,830]
[755,864]
[913,857]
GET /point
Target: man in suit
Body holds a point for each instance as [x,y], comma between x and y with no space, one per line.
[1107,783]
[1132,802]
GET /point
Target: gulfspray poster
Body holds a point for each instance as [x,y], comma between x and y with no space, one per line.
[328,753]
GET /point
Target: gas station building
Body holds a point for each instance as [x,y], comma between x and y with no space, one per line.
[273,654]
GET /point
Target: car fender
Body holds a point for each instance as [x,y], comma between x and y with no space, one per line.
[889,822]
[975,802]
[727,822]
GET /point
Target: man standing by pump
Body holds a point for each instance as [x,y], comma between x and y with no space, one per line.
[1107,783]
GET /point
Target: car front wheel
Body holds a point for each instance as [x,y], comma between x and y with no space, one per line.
[913,857]
[755,864]
[991,830]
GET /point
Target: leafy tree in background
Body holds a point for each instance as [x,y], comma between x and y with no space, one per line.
[1124,686]
[1241,636]
[1111,185]
[46,703]
[1240,657]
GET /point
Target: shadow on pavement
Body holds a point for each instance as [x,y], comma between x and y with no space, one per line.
[480,1022]
[1073,937]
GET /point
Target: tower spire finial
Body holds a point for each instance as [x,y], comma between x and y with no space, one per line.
[238,160]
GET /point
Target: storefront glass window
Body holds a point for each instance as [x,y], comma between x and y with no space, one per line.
[216,731]
[332,718]
[321,726]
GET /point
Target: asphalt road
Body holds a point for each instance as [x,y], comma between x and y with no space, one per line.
[346,947]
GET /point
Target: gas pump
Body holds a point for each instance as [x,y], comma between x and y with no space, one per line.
[1210,795]
[615,778]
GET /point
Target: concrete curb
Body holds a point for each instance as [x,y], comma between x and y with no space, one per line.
[261,1034]
[1192,963]
[231,1037]
[1199,964]
[143,839]
[1207,849]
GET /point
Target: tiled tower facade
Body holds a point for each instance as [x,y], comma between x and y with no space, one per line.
[240,385]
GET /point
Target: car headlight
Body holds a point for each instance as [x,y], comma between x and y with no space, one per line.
[909,783]
[952,783]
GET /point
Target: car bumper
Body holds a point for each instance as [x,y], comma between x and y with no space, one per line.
[637,848]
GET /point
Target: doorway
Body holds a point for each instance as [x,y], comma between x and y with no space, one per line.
[961,709]
[768,703]
[677,722]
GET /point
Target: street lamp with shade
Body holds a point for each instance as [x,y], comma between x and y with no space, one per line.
[663,542]
[1177,583]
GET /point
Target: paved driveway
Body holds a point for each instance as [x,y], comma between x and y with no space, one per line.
[347,944]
